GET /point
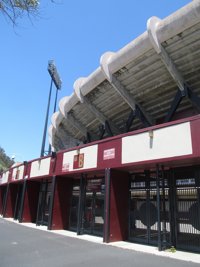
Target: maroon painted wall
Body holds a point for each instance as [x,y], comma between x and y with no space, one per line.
[31,201]
[10,205]
[119,194]
[2,192]
[61,206]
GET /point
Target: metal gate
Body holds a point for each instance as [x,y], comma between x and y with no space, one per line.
[87,206]
[44,203]
[186,201]
[164,208]
[147,222]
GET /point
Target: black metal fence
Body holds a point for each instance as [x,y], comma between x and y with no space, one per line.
[164,208]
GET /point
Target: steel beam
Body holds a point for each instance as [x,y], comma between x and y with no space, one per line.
[130,120]
[158,207]
[106,232]
[79,126]
[87,139]
[108,128]
[51,205]
[89,105]
[105,129]
[80,226]
[193,98]
[21,209]
[137,113]
[152,26]
[120,88]
[102,131]
[174,105]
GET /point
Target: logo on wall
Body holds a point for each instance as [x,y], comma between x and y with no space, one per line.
[78,161]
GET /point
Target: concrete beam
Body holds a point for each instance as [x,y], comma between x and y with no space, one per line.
[79,126]
[89,105]
[152,25]
[119,88]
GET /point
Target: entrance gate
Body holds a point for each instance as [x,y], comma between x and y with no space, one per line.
[93,214]
[74,206]
[44,203]
[87,207]
[177,220]
[186,201]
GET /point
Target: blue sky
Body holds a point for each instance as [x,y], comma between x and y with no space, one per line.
[73,33]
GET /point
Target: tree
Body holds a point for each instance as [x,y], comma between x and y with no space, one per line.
[5,161]
[15,9]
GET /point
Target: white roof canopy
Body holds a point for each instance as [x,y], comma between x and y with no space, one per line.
[145,74]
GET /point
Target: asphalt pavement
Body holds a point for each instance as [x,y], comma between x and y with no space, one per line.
[22,246]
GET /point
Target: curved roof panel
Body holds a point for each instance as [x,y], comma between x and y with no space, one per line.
[140,79]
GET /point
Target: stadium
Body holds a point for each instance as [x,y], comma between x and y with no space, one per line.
[126,150]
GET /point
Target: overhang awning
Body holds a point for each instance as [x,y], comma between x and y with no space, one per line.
[144,75]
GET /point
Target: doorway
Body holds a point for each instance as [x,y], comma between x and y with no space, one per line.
[147,222]
[74,206]
[93,213]
[44,203]
[87,206]
[18,202]
[186,212]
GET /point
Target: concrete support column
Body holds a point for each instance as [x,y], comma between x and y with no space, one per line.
[116,206]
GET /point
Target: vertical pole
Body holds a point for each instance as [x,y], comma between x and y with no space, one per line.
[53,188]
[38,220]
[129,209]
[172,208]
[55,103]
[197,183]
[80,205]
[3,193]
[46,122]
[21,210]
[158,207]
[148,203]
[5,201]
[17,202]
[164,210]
[54,110]
[106,234]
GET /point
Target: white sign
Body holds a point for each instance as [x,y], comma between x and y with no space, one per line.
[109,154]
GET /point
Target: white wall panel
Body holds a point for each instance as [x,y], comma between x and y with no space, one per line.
[90,158]
[167,142]
[40,167]
[4,178]
[18,173]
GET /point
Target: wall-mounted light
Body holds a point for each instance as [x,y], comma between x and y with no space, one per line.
[151,135]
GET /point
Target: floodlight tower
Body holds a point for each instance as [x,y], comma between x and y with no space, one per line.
[55,78]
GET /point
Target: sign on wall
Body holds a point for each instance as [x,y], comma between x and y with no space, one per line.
[83,158]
